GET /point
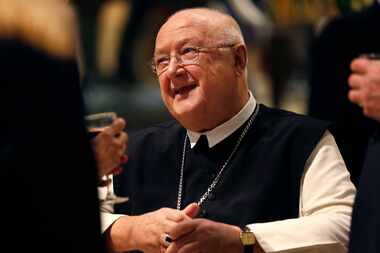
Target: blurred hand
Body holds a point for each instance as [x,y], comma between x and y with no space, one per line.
[110,147]
[206,236]
[145,232]
[365,86]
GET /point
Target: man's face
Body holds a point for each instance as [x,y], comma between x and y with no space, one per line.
[196,93]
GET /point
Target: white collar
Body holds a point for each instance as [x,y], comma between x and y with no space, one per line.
[224,130]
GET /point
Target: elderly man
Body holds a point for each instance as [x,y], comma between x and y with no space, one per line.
[264,180]
[365,91]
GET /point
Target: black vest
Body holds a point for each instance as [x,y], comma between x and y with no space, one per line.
[260,184]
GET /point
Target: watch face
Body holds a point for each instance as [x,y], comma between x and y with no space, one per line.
[247,238]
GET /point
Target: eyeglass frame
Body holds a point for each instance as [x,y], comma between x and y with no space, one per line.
[193,61]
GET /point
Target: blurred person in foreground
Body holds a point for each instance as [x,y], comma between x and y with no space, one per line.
[264,180]
[365,92]
[341,40]
[47,163]
[48,172]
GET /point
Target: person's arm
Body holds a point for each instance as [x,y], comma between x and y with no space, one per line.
[326,198]
[110,152]
[107,219]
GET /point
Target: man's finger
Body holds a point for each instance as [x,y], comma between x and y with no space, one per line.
[175,215]
[184,241]
[182,229]
[360,65]
[121,139]
[124,159]
[356,96]
[188,244]
[116,127]
[355,81]
[117,170]
[191,210]
[171,249]
[192,247]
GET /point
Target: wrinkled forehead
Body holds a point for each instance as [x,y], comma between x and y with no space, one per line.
[182,29]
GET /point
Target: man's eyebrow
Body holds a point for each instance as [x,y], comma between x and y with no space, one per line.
[179,44]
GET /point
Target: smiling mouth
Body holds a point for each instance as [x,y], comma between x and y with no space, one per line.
[184,90]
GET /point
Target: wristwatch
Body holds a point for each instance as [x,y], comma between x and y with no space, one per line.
[248,239]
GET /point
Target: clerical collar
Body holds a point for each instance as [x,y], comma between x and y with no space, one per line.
[224,130]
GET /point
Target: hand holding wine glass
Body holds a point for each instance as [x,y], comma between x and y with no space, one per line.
[109,143]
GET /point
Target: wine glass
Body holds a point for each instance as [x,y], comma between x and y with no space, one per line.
[96,123]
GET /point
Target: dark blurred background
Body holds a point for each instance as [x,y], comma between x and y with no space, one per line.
[118,40]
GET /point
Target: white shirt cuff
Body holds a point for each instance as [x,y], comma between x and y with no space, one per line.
[107,219]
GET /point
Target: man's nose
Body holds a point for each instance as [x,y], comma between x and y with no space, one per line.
[174,68]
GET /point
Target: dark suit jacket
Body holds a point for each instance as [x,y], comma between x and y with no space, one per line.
[48,174]
[342,40]
[365,227]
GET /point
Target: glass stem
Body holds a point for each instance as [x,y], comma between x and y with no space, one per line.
[109,187]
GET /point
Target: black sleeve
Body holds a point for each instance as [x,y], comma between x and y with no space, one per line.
[48,172]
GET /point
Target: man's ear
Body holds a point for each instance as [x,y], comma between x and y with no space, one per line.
[240,55]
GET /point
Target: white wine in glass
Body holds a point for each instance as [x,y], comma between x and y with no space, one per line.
[96,123]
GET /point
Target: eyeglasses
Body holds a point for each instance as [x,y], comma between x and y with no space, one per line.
[186,56]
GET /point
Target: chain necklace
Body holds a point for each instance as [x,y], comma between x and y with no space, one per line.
[219,175]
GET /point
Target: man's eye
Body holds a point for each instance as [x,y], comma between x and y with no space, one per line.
[189,50]
[162,61]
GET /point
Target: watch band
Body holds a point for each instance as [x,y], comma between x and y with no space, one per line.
[249,248]
[248,239]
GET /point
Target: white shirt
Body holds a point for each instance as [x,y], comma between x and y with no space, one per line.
[326,198]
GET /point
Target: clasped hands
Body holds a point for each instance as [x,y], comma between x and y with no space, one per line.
[189,234]
[203,235]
